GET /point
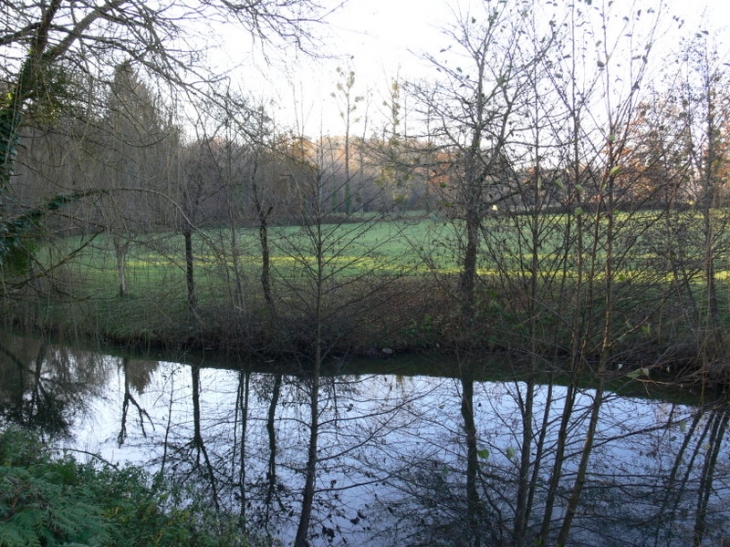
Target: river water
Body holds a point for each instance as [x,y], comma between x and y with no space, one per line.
[392,453]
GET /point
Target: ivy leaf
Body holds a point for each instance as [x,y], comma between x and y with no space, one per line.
[643,371]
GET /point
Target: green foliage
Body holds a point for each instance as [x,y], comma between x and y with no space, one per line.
[19,235]
[638,373]
[18,448]
[43,502]
[8,143]
[41,509]
[16,252]
[46,501]
[43,91]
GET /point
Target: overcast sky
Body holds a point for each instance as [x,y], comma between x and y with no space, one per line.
[379,40]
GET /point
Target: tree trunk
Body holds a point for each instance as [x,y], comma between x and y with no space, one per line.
[244,390]
[271,431]
[189,268]
[467,279]
[523,485]
[236,260]
[719,419]
[311,468]
[198,442]
[557,471]
[472,457]
[265,256]
[120,251]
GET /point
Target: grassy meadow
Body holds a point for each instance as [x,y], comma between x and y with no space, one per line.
[383,282]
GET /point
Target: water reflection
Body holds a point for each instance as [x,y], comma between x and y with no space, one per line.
[403,460]
[47,386]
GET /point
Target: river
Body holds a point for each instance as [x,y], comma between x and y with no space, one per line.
[395,465]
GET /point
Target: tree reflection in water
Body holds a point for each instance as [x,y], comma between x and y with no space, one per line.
[399,461]
[658,474]
[46,386]
[139,381]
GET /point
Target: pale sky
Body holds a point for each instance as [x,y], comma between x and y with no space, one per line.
[379,39]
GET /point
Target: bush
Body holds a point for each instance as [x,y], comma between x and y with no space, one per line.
[47,501]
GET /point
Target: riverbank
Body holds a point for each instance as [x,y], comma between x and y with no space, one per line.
[409,316]
[378,287]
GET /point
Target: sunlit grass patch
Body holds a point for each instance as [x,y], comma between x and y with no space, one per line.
[156,263]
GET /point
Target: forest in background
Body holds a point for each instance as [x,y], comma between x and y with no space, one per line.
[558,189]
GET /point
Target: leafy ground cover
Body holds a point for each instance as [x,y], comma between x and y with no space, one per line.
[57,500]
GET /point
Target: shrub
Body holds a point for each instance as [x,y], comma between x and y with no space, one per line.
[48,501]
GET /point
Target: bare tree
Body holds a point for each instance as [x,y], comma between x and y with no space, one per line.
[347,103]
[471,113]
[704,121]
[135,140]
[42,43]
[330,296]
[475,113]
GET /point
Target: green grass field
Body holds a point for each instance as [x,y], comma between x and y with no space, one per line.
[403,247]
[347,249]
[354,257]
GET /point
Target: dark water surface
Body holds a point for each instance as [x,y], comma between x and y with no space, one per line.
[395,463]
